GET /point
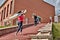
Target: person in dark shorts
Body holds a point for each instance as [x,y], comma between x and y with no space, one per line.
[39,19]
[35,19]
[20,21]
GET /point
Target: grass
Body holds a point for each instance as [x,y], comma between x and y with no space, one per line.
[56,30]
[4,26]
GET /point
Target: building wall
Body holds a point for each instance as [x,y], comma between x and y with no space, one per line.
[38,7]
[6,11]
[35,6]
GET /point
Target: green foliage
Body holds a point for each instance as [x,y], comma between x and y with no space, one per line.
[56,30]
[5,26]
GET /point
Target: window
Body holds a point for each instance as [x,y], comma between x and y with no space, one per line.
[10,7]
[1,15]
[7,10]
[4,12]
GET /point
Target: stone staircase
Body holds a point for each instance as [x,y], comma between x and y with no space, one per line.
[44,33]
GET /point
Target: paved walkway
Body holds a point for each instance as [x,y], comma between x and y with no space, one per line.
[25,33]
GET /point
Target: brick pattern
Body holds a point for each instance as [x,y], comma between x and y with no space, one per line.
[25,34]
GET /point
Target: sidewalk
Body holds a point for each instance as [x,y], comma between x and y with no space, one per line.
[26,32]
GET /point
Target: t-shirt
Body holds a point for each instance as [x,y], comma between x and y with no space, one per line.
[35,18]
[20,18]
[39,18]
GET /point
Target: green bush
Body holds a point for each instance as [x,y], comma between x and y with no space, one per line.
[56,30]
[5,26]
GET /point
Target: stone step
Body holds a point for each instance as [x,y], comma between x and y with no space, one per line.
[47,28]
[39,39]
[43,33]
[41,36]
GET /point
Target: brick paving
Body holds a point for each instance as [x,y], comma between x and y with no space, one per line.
[25,33]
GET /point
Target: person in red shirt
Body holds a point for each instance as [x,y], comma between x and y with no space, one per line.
[20,21]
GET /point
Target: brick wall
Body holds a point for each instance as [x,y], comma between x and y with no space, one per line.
[39,7]
[35,6]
